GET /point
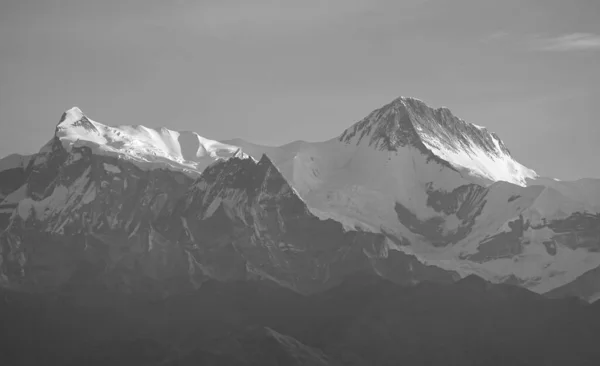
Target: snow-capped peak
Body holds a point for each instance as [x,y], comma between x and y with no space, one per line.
[71,115]
[74,123]
[386,128]
[465,146]
[147,147]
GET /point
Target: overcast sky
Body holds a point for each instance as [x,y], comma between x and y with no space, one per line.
[276,71]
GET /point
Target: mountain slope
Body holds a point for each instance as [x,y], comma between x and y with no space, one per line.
[75,216]
[256,346]
[410,193]
[439,134]
[240,219]
[586,286]
[363,321]
[492,217]
[14,170]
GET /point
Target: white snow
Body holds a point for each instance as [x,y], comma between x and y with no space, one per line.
[90,195]
[60,228]
[585,192]
[363,184]
[359,185]
[407,120]
[210,210]
[135,230]
[501,167]
[146,147]
[111,168]
[25,208]
[187,229]
[552,204]
[62,198]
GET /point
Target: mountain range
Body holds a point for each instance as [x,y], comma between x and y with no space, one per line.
[410,205]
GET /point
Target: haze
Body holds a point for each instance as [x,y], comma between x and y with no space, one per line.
[272,72]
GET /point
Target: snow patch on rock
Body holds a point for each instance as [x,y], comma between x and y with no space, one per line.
[111,168]
[60,199]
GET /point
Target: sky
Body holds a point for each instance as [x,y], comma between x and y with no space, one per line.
[273,72]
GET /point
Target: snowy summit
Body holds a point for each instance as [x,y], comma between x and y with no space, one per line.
[465,146]
[147,147]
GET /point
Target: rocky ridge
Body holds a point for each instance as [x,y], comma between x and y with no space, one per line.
[146,210]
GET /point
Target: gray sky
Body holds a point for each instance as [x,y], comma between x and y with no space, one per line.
[276,71]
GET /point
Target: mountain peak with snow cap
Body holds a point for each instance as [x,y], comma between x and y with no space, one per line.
[74,119]
[410,123]
[386,128]
[414,185]
[148,147]
[71,115]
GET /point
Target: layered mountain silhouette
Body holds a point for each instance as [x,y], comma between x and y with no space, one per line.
[410,192]
[365,320]
[412,237]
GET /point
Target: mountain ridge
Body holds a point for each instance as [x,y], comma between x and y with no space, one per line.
[428,213]
[409,121]
[366,320]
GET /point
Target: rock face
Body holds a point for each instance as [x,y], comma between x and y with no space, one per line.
[409,193]
[106,221]
[14,170]
[86,212]
[136,246]
[441,136]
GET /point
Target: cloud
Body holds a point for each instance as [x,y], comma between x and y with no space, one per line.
[497,36]
[568,42]
[501,34]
